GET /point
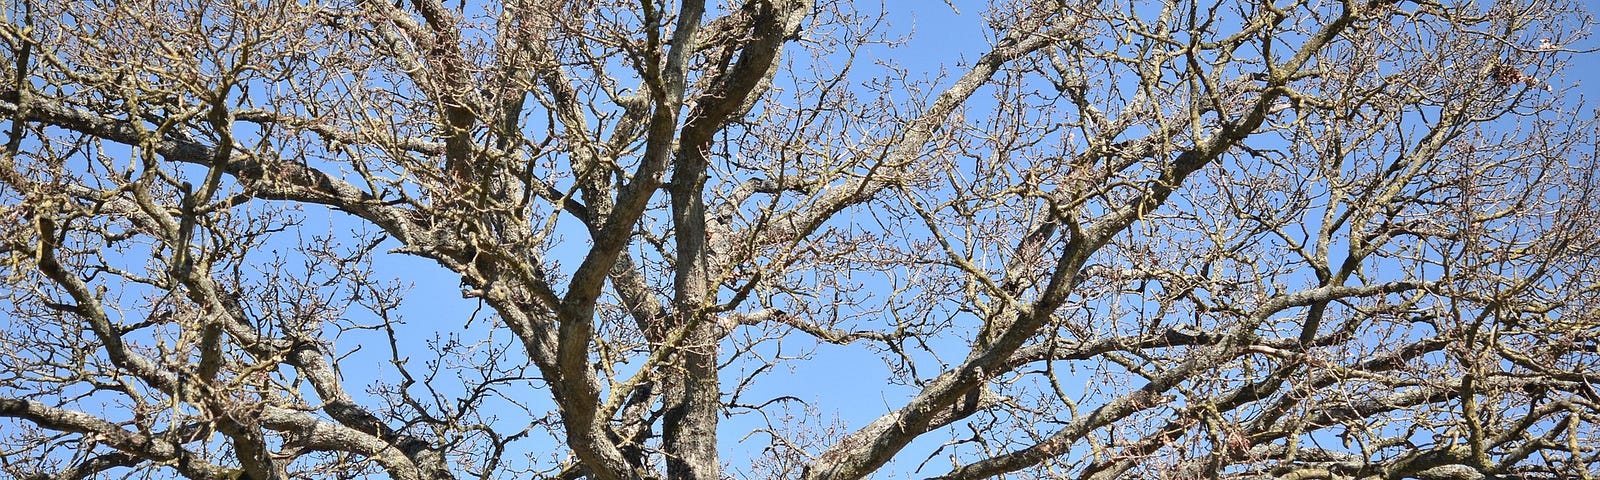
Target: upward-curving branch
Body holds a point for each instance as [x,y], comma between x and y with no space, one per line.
[1094,240]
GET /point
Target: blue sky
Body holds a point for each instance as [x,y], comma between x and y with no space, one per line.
[844,383]
[847,383]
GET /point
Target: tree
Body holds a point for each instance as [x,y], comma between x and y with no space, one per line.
[1288,239]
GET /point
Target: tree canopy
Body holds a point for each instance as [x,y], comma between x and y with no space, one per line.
[1151,239]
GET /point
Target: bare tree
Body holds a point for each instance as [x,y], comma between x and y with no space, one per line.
[1242,239]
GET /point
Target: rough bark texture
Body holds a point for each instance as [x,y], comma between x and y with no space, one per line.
[1094,240]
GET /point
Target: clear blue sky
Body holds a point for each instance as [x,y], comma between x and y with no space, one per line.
[847,383]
